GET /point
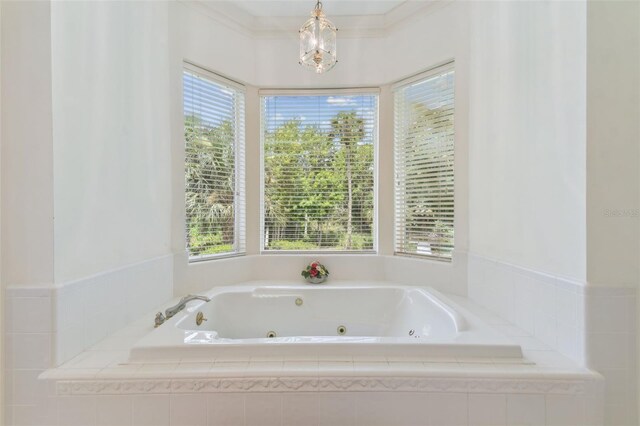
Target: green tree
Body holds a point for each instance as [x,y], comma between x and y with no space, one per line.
[210,182]
[282,179]
[312,198]
[348,129]
[321,186]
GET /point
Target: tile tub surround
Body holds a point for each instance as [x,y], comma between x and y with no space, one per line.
[547,307]
[46,326]
[595,326]
[611,347]
[449,277]
[88,310]
[99,387]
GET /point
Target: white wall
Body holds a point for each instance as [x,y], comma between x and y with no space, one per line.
[209,42]
[27,149]
[27,188]
[361,63]
[613,151]
[111,135]
[438,34]
[528,170]
[613,197]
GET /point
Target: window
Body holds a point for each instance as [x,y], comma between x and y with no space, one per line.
[424,148]
[214,164]
[318,171]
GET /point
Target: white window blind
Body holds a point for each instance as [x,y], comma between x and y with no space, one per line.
[214,164]
[318,171]
[424,164]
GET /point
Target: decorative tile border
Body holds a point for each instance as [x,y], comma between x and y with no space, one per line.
[329,384]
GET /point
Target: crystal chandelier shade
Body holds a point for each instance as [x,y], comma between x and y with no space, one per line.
[318,42]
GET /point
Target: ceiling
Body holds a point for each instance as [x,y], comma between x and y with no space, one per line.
[301,8]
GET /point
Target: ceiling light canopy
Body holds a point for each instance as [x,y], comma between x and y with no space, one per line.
[318,42]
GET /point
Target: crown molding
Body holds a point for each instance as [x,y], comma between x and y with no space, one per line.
[222,13]
[411,10]
[349,26]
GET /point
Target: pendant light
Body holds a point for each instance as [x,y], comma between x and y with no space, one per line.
[318,42]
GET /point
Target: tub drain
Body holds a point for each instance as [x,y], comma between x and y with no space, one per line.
[342,330]
[271,334]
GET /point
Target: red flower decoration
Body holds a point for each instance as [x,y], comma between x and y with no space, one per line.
[313,270]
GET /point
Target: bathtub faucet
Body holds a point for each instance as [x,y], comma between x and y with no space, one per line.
[182,303]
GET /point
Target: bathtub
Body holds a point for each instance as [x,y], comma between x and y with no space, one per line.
[333,320]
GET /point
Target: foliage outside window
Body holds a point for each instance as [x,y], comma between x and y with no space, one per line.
[424,165]
[214,158]
[318,182]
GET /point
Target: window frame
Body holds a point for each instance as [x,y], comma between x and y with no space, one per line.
[239,198]
[423,75]
[372,91]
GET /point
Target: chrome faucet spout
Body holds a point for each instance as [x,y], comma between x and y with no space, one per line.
[169,312]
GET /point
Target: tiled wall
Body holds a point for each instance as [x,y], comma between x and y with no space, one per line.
[595,326]
[450,277]
[28,351]
[46,326]
[611,348]
[324,408]
[88,310]
[549,308]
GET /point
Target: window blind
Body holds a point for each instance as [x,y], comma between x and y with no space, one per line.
[318,171]
[424,164]
[214,164]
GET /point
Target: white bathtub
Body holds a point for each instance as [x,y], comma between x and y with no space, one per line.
[337,319]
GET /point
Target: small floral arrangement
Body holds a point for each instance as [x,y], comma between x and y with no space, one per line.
[315,272]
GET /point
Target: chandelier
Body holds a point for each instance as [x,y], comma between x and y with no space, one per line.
[318,42]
